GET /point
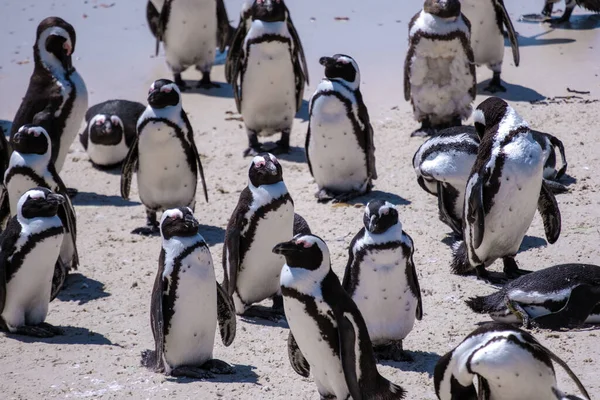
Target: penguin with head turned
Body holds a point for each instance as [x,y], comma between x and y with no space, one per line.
[503,191]
[382,280]
[339,142]
[328,335]
[187,303]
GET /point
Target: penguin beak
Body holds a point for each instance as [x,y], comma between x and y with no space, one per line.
[55,199]
[327,61]
[286,248]
[373,223]
[16,139]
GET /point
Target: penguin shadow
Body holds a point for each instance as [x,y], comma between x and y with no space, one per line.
[97,199]
[378,195]
[296,155]
[242,374]
[513,92]
[5,127]
[567,180]
[303,113]
[71,335]
[585,22]
[108,170]
[534,40]
[424,362]
[532,242]
[224,90]
[212,234]
[82,289]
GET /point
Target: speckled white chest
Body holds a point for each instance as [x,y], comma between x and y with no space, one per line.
[486,39]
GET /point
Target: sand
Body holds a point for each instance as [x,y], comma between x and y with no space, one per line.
[105,308]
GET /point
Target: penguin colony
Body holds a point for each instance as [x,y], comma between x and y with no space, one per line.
[489,180]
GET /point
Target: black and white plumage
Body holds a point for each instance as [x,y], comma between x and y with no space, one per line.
[57,97]
[190,31]
[566,295]
[439,71]
[488,19]
[237,42]
[339,141]
[187,302]
[31,166]
[508,363]
[591,5]
[165,156]
[110,131]
[443,165]
[382,280]
[29,248]
[263,215]
[328,335]
[502,193]
[267,70]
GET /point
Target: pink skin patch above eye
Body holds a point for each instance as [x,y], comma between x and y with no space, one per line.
[100,120]
[385,211]
[166,89]
[68,48]
[304,243]
[35,133]
[260,164]
[114,120]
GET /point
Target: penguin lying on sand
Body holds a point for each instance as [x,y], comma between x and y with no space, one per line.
[187,302]
[328,335]
[562,296]
[508,363]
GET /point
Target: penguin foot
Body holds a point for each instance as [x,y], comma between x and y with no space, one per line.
[278,304]
[494,87]
[72,192]
[58,279]
[323,196]
[218,367]
[484,275]
[555,187]
[280,148]
[203,84]
[511,269]
[252,151]
[269,314]
[191,372]
[180,82]
[146,231]
[393,351]
[42,330]
[345,197]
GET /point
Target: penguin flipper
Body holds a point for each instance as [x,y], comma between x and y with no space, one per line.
[224,30]
[349,281]
[83,137]
[445,216]
[152,17]
[297,360]
[298,49]
[407,61]
[363,116]
[4,205]
[69,213]
[8,240]
[225,316]
[512,36]
[231,247]
[476,216]
[156,315]
[300,225]
[300,82]
[129,166]
[307,143]
[548,208]
[235,47]
[163,19]
[554,141]
[413,280]
[236,71]
[190,134]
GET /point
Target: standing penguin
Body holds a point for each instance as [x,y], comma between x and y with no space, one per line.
[56,98]
[28,249]
[502,193]
[488,17]
[190,31]
[592,5]
[268,73]
[31,166]
[509,364]
[263,215]
[439,72]
[165,156]
[339,142]
[110,131]
[328,334]
[382,280]
[186,303]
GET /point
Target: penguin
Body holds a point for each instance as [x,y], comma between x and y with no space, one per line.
[509,364]
[57,97]
[591,5]
[552,175]
[190,31]
[165,156]
[110,131]
[502,193]
[562,296]
[187,302]
[263,215]
[268,72]
[5,151]
[339,120]
[328,334]
[238,38]
[28,248]
[382,280]
[439,70]
[31,166]
[488,17]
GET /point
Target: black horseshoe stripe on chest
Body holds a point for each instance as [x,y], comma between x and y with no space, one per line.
[171,285]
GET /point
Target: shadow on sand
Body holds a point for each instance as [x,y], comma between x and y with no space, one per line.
[513,92]
[424,361]
[72,335]
[82,289]
[97,199]
[243,374]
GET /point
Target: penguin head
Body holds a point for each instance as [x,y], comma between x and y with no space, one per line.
[38,203]
[178,222]
[343,67]
[106,130]
[31,139]
[304,251]
[380,216]
[443,8]
[265,170]
[55,44]
[163,93]
[269,10]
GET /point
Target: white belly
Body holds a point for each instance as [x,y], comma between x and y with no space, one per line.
[338,162]
[486,39]
[440,80]
[164,177]
[326,368]
[384,297]
[191,335]
[28,292]
[191,35]
[107,155]
[258,278]
[73,123]
[268,88]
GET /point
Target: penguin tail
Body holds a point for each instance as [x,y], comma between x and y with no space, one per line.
[460,259]
[388,390]
[484,304]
